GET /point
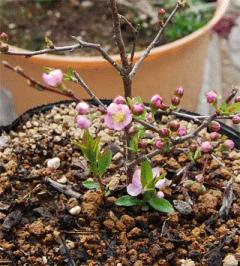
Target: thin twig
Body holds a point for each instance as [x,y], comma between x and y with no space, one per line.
[153,43]
[38,85]
[63,188]
[81,44]
[80,81]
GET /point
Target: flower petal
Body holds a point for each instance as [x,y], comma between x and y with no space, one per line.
[133,190]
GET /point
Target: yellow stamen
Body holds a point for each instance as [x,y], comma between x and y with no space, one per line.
[119,117]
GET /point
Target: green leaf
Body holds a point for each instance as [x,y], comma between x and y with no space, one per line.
[128,201]
[135,140]
[162,176]
[49,43]
[197,154]
[233,108]
[90,184]
[223,107]
[146,173]
[161,205]
[104,162]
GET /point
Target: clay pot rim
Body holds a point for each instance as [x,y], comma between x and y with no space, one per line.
[225,129]
[96,61]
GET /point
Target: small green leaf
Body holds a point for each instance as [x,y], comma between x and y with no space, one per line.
[146,173]
[49,43]
[128,201]
[104,162]
[197,154]
[233,108]
[223,107]
[90,184]
[161,205]
[135,140]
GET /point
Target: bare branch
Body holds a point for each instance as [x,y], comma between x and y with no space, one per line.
[118,33]
[153,43]
[80,81]
[38,85]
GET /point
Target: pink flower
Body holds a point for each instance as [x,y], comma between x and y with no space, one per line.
[163,106]
[82,108]
[142,144]
[156,101]
[54,78]
[119,100]
[135,188]
[164,132]
[229,144]
[182,131]
[118,116]
[236,119]
[206,147]
[179,92]
[211,96]
[215,126]
[83,122]
[138,108]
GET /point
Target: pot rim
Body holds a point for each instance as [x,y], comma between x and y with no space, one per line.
[226,130]
[94,61]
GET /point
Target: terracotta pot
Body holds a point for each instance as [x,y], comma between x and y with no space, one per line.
[167,67]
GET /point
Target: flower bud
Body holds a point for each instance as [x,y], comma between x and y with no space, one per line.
[174,125]
[193,147]
[214,136]
[206,147]
[4,48]
[182,131]
[237,99]
[236,119]
[175,100]
[163,106]
[119,100]
[159,144]
[138,109]
[160,194]
[179,92]
[149,117]
[3,37]
[83,122]
[164,132]
[161,12]
[228,144]
[156,101]
[82,108]
[142,144]
[53,78]
[214,126]
[211,96]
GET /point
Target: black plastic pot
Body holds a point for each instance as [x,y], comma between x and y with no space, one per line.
[226,130]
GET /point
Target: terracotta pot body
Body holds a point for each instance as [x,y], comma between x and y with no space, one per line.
[179,63]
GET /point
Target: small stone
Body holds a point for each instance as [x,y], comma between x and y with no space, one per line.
[187,262]
[237,179]
[114,182]
[128,221]
[109,224]
[134,232]
[70,244]
[75,210]
[230,260]
[182,207]
[57,139]
[62,180]
[117,156]
[54,163]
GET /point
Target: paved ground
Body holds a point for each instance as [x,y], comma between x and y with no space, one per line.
[222,68]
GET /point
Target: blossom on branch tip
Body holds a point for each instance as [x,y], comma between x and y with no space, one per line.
[82,108]
[156,101]
[119,100]
[53,78]
[206,147]
[236,119]
[159,144]
[211,96]
[214,126]
[237,99]
[229,144]
[214,136]
[138,108]
[175,100]
[179,92]
[83,122]
[118,116]
[182,131]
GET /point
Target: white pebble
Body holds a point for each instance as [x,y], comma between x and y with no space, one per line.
[54,163]
[230,260]
[75,210]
